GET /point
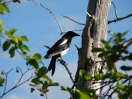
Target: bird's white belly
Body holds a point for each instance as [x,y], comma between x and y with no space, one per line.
[64,52]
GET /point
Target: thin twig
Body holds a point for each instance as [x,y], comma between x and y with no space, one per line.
[47,47]
[90,15]
[54,17]
[73,20]
[115,10]
[19,69]
[6,74]
[16,86]
[4,37]
[22,75]
[76,30]
[18,83]
[119,19]
[7,2]
[20,54]
[46,97]
[73,30]
[33,2]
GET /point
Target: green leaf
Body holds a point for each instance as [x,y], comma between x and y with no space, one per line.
[42,71]
[113,34]
[12,31]
[45,85]
[53,84]
[6,45]
[124,33]
[80,95]
[121,75]
[32,85]
[1,26]
[24,38]
[37,56]
[1,81]
[121,86]
[12,52]
[25,47]
[47,78]
[65,88]
[106,44]
[126,68]
[82,73]
[97,50]
[3,8]
[130,56]
[33,63]
[88,78]
[35,81]
[10,35]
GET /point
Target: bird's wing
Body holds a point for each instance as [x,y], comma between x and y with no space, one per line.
[61,42]
[56,50]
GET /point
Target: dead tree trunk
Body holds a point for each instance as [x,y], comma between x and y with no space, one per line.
[94,31]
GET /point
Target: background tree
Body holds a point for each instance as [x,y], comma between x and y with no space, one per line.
[94,31]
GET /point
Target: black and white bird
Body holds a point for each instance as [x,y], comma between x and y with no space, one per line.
[59,49]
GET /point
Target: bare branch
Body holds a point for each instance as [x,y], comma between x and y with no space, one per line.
[73,30]
[18,83]
[54,17]
[73,20]
[128,42]
[5,2]
[4,37]
[65,65]
[47,47]
[20,54]
[19,69]
[90,15]
[76,47]
[115,10]
[119,19]
[6,74]
[76,30]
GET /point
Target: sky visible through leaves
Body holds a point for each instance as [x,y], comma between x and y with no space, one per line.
[31,20]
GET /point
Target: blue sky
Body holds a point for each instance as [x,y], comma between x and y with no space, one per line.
[41,29]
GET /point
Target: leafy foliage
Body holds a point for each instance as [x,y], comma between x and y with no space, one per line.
[14,43]
[113,82]
[42,82]
[1,81]
[3,8]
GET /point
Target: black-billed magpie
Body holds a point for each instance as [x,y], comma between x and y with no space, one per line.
[59,49]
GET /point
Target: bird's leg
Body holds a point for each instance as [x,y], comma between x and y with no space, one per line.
[62,61]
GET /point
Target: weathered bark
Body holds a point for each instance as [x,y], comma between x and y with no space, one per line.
[94,31]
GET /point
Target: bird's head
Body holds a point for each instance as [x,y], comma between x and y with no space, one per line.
[70,34]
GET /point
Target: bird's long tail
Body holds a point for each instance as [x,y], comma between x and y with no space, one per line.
[52,65]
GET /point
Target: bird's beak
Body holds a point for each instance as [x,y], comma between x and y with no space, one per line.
[75,34]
